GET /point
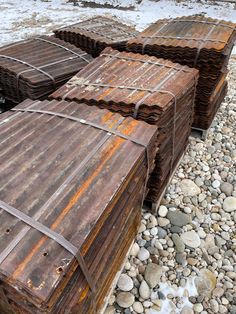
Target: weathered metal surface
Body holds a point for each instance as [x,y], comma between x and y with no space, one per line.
[34,68]
[82,182]
[97,33]
[196,41]
[154,90]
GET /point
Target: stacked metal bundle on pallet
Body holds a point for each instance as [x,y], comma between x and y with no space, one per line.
[154,90]
[72,183]
[199,42]
[34,68]
[97,33]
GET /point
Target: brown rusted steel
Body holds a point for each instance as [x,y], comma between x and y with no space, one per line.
[154,90]
[34,68]
[83,182]
[195,41]
[97,33]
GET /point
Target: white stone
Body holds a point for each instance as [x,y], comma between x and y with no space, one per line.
[144,290]
[229,204]
[216,184]
[153,274]
[134,250]
[189,188]
[138,307]
[125,283]
[191,239]
[143,254]
[162,211]
[162,222]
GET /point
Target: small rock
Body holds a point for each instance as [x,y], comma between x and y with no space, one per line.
[218,292]
[191,239]
[198,307]
[214,306]
[189,188]
[153,274]
[162,222]
[229,204]
[162,211]
[226,188]
[181,258]
[125,283]
[125,299]
[187,310]
[177,218]
[205,282]
[138,307]
[143,254]
[179,244]
[144,290]
[216,184]
[134,250]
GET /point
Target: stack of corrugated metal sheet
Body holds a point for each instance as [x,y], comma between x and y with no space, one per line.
[97,33]
[199,42]
[72,184]
[34,68]
[154,90]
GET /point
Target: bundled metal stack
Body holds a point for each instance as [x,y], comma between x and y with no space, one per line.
[72,184]
[153,90]
[199,42]
[97,33]
[34,68]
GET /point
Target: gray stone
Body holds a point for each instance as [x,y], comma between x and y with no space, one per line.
[125,299]
[153,274]
[125,283]
[181,258]
[177,218]
[162,233]
[143,254]
[144,290]
[229,204]
[226,188]
[179,244]
[189,188]
[176,229]
[219,241]
[187,310]
[191,239]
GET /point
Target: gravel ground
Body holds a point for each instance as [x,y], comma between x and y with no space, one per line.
[184,258]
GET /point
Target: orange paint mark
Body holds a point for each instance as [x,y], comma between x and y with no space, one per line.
[117,142]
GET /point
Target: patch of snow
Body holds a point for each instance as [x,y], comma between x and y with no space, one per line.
[26,18]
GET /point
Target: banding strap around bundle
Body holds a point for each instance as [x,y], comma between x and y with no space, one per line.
[32,222]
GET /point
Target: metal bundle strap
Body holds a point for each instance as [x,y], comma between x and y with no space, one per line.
[204,22]
[184,38]
[29,65]
[147,62]
[65,48]
[33,222]
[200,47]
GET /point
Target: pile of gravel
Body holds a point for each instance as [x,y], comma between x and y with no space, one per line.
[184,258]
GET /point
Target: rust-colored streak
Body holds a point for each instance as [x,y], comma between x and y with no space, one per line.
[115,146]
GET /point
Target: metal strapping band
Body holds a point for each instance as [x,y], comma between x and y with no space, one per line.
[65,48]
[53,235]
[147,62]
[82,121]
[205,22]
[200,47]
[29,65]
[96,32]
[184,38]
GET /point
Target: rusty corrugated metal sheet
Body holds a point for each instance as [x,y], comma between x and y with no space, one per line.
[96,205]
[199,42]
[97,33]
[34,68]
[163,91]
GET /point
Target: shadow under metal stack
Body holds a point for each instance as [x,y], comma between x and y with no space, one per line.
[97,33]
[153,90]
[76,175]
[199,42]
[34,68]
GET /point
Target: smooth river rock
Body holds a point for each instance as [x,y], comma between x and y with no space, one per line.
[191,239]
[189,188]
